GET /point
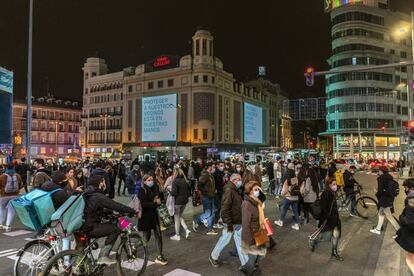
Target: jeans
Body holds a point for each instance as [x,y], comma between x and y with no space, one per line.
[122,178]
[109,230]
[278,187]
[157,236]
[7,210]
[207,214]
[178,219]
[295,208]
[353,202]
[225,240]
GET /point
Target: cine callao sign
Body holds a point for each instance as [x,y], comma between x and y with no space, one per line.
[333,4]
[161,61]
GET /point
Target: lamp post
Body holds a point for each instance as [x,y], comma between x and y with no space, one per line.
[56,138]
[29,87]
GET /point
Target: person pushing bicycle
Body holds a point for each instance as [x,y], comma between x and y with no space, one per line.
[96,207]
[349,188]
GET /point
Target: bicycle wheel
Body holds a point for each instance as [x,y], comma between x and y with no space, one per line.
[32,258]
[366,207]
[68,262]
[132,256]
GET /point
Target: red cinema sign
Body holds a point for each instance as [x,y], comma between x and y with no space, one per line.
[161,61]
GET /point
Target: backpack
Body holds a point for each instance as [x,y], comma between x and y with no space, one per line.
[339,178]
[12,185]
[69,217]
[393,188]
[295,191]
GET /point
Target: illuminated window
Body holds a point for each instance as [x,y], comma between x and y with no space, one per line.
[381,141]
[205,134]
[195,134]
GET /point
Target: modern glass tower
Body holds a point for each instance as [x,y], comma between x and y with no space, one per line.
[367,111]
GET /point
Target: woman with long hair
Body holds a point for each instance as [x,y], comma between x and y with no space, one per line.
[330,223]
[180,191]
[72,182]
[310,192]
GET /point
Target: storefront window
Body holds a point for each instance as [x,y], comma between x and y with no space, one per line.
[367,141]
[381,141]
[394,141]
[343,141]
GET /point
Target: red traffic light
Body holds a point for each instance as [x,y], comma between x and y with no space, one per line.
[309,75]
[310,70]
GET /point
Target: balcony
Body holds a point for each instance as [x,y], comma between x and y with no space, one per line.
[102,142]
[103,128]
[96,115]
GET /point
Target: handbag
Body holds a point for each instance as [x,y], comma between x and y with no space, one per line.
[261,237]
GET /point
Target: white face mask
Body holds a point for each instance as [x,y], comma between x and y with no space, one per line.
[256,194]
[238,169]
[213,170]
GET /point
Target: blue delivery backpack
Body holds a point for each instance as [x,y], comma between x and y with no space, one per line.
[69,217]
[35,209]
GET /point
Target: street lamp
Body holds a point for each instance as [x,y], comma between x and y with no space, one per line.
[29,89]
[56,138]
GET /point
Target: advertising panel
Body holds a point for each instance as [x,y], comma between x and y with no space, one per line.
[6,101]
[333,4]
[253,124]
[159,118]
[6,81]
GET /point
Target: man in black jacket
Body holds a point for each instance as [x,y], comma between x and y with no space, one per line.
[349,189]
[95,204]
[101,172]
[218,181]
[232,219]
[58,181]
[385,201]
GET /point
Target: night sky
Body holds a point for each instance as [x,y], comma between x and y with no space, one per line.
[285,36]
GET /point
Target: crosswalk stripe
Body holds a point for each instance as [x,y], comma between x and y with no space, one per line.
[8,250]
[17,233]
[181,272]
[9,253]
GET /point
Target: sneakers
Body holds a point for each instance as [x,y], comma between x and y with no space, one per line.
[160,260]
[195,226]
[217,226]
[176,238]
[212,232]
[353,214]
[106,261]
[375,231]
[187,233]
[205,222]
[2,227]
[295,226]
[214,263]
[279,223]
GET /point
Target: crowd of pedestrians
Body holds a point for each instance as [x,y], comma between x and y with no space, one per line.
[231,195]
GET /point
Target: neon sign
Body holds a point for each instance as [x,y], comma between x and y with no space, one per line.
[161,61]
[333,4]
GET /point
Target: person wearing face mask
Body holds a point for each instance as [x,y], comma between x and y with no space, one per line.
[405,235]
[96,206]
[231,214]
[219,182]
[252,222]
[239,169]
[207,188]
[329,223]
[150,198]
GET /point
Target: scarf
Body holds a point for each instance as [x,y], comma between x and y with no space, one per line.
[259,205]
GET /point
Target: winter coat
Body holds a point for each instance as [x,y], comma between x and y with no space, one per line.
[131,181]
[121,170]
[328,201]
[59,197]
[385,199]
[95,205]
[180,191]
[149,219]
[101,172]
[3,182]
[231,203]
[250,225]
[206,185]
[349,183]
[405,236]
[42,176]
[218,181]
[286,188]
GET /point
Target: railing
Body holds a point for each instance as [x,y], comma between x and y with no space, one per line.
[103,128]
[103,141]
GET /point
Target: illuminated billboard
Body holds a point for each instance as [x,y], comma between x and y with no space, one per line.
[333,4]
[6,81]
[253,124]
[159,118]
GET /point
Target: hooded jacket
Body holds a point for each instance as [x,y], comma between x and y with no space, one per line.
[385,199]
[231,205]
[96,202]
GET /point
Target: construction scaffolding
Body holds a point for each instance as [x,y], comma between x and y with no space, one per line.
[305,109]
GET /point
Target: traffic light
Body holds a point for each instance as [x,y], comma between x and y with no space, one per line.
[411,130]
[310,76]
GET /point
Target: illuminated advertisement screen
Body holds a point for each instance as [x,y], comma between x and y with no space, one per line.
[6,81]
[333,4]
[159,118]
[253,124]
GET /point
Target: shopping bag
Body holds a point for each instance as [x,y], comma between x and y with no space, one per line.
[136,205]
[268,227]
[165,218]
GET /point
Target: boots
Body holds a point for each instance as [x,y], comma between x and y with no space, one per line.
[103,258]
[336,255]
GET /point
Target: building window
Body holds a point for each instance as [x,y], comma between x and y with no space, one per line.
[52,115]
[195,79]
[357,47]
[205,79]
[150,85]
[403,54]
[160,84]
[212,135]
[205,134]
[204,47]
[213,80]
[170,82]
[358,16]
[195,133]
[93,74]
[129,135]
[197,47]
[392,52]
[61,116]
[129,88]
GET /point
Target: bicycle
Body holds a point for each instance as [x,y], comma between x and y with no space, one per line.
[131,252]
[33,256]
[366,206]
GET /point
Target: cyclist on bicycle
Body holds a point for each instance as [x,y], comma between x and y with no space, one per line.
[349,186]
[96,207]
